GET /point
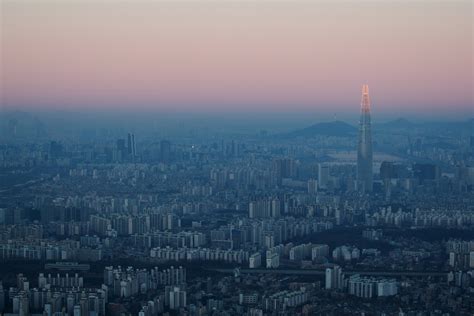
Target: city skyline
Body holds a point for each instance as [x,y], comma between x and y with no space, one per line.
[225,157]
[205,56]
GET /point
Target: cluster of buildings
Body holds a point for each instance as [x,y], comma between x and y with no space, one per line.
[182,239]
[346,253]
[55,295]
[290,213]
[422,218]
[461,254]
[66,250]
[127,282]
[266,232]
[360,286]
[199,254]
[368,287]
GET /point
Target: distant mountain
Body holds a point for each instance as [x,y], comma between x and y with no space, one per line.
[399,123]
[335,128]
[467,124]
[463,127]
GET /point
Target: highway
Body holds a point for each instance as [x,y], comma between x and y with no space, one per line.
[322,272]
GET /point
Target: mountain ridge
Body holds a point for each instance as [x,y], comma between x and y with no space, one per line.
[333,128]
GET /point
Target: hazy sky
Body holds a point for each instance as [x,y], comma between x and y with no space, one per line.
[222,55]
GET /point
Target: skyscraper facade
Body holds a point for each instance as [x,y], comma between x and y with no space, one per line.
[364,149]
[323,176]
[131,148]
[129,144]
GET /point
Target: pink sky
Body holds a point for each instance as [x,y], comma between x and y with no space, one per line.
[233,55]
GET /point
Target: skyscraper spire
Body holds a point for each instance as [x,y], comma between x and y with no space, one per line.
[364,149]
[365,103]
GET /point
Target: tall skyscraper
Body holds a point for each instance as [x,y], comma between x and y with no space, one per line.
[165,151]
[131,145]
[323,176]
[284,168]
[334,278]
[364,150]
[120,150]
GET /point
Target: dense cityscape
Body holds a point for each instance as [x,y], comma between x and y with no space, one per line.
[236,157]
[329,219]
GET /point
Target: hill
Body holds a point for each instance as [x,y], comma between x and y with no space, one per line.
[335,128]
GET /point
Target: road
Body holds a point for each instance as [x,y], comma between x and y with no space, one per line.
[23,185]
[322,272]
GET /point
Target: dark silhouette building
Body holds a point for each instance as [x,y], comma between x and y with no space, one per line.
[426,171]
[131,145]
[165,151]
